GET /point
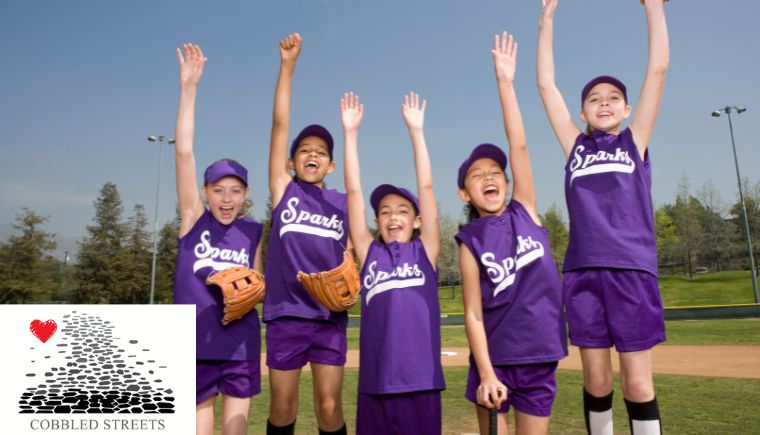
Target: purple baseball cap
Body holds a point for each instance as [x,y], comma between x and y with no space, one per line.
[313,130]
[603,79]
[384,190]
[223,168]
[482,151]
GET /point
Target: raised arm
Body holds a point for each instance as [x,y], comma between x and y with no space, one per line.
[488,390]
[430,233]
[189,198]
[279,176]
[648,105]
[559,117]
[505,63]
[351,114]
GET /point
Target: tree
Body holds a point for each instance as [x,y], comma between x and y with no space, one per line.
[752,206]
[166,263]
[134,262]
[554,221]
[448,258]
[666,235]
[26,268]
[97,272]
[685,215]
[716,242]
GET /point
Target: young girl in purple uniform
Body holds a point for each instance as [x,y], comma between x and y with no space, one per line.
[610,273]
[213,239]
[400,374]
[511,287]
[309,234]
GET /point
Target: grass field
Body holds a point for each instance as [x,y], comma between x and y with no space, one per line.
[685,404]
[689,405]
[723,288]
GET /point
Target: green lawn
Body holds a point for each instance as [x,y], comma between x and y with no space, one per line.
[722,288]
[687,405]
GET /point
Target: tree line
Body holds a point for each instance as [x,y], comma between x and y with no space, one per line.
[113,263]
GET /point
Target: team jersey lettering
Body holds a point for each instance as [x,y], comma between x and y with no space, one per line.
[503,274]
[309,223]
[599,162]
[403,276]
[219,259]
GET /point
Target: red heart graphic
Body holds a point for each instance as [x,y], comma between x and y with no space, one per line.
[43,330]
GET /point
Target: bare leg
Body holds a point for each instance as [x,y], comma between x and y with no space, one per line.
[204,417]
[501,421]
[235,415]
[328,402]
[283,389]
[527,424]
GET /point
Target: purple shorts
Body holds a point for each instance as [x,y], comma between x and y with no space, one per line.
[619,307]
[417,412]
[532,387]
[232,378]
[292,342]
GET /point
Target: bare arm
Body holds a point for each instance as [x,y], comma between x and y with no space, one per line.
[258,264]
[505,63]
[190,71]
[650,98]
[279,176]
[559,117]
[414,117]
[476,334]
[351,115]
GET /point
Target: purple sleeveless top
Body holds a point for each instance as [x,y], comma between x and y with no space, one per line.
[400,333]
[608,189]
[309,234]
[209,247]
[520,287]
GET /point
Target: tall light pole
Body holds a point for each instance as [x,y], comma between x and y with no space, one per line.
[716,113]
[160,140]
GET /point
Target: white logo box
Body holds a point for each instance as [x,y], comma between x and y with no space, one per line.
[106,369]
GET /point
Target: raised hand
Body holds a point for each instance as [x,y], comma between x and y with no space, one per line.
[504,57]
[191,65]
[351,111]
[290,48]
[547,8]
[414,113]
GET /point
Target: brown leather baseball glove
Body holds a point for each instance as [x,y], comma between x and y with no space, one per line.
[242,288]
[335,289]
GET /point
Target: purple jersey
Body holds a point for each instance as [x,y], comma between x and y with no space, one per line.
[609,200]
[400,333]
[211,246]
[520,287]
[309,234]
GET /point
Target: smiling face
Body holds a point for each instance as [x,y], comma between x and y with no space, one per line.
[311,160]
[396,219]
[605,108]
[225,198]
[485,187]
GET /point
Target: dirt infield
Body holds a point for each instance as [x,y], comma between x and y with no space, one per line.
[714,361]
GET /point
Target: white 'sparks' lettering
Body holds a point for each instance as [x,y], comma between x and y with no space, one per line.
[600,162]
[503,273]
[219,259]
[310,223]
[402,276]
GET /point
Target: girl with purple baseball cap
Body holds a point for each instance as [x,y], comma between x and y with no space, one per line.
[511,287]
[309,234]
[213,238]
[610,284]
[400,373]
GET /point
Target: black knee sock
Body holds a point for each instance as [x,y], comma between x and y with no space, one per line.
[644,418]
[341,431]
[281,430]
[598,413]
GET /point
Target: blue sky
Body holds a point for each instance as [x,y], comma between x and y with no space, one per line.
[85,82]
